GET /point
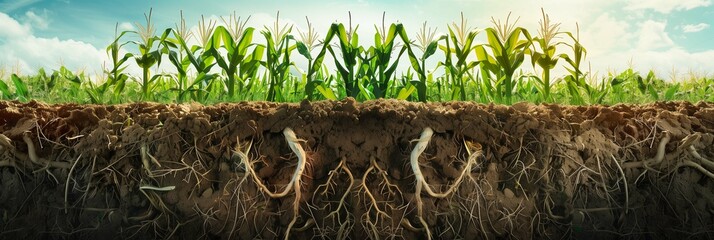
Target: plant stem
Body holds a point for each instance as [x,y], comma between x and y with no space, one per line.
[145,85]
[546,84]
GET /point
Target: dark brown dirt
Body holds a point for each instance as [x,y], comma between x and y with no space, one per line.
[546,171]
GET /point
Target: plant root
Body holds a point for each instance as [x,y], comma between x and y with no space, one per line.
[335,214]
[66,184]
[624,178]
[700,163]
[294,184]
[421,145]
[373,200]
[32,155]
[657,160]
[146,158]
[6,145]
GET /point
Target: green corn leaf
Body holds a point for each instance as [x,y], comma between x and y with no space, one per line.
[377,39]
[390,71]
[5,90]
[405,92]
[355,37]
[650,77]
[367,95]
[616,81]
[92,98]
[671,91]
[326,92]
[173,58]
[653,93]
[493,41]
[246,40]
[20,87]
[302,49]
[431,49]
[641,85]
[120,84]
[222,34]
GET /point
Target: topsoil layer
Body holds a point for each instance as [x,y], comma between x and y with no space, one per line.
[153,171]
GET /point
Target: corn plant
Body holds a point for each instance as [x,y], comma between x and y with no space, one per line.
[305,46]
[278,57]
[428,44]
[148,56]
[462,38]
[528,89]
[116,78]
[382,65]
[652,86]
[201,57]
[42,82]
[597,93]
[350,50]
[545,57]
[361,72]
[366,71]
[576,80]
[698,88]
[239,64]
[70,84]
[177,58]
[507,54]
[622,87]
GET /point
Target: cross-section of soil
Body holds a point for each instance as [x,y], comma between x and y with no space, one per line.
[345,170]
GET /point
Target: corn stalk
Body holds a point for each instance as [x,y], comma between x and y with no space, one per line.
[506,55]
[459,43]
[278,58]
[428,45]
[305,47]
[546,57]
[382,63]
[576,80]
[350,50]
[148,56]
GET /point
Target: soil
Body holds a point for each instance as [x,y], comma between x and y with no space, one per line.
[168,171]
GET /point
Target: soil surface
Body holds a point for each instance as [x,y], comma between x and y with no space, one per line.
[167,171]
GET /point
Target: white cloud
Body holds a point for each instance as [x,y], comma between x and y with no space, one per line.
[692,28]
[652,36]
[654,50]
[28,52]
[14,5]
[606,33]
[37,21]
[666,6]
[12,28]
[126,26]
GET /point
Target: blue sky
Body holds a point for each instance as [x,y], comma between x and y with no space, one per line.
[663,35]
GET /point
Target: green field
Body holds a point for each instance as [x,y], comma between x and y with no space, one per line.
[232,61]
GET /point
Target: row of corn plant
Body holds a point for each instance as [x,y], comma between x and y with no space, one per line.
[224,61]
[627,86]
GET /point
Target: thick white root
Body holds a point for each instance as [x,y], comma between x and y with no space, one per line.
[294,184]
[421,145]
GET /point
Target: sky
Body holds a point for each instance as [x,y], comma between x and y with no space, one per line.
[671,37]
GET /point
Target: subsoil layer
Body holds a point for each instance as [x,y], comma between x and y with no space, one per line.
[232,171]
